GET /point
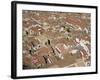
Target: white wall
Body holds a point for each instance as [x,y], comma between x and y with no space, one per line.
[5,30]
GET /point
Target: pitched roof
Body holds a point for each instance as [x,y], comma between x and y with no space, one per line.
[44,51]
[61,48]
[78,22]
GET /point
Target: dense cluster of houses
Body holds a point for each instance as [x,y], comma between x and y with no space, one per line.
[56,39]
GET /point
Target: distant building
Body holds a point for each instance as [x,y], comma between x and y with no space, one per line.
[36,31]
[77,22]
[61,49]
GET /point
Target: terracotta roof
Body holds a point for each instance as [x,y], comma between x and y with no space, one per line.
[75,21]
[28,23]
[32,40]
[44,51]
[37,29]
[61,48]
[64,41]
[38,59]
[27,59]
